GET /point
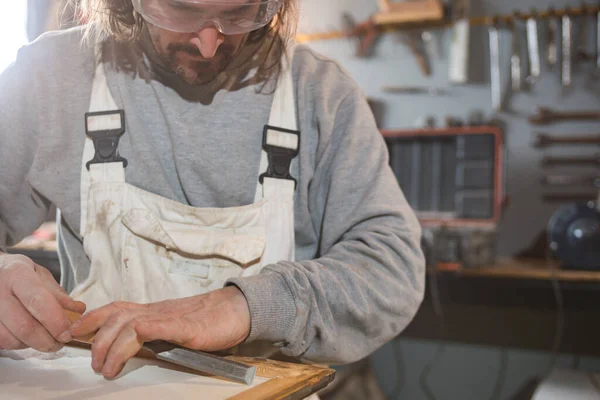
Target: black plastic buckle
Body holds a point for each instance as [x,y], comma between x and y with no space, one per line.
[280,158]
[106,141]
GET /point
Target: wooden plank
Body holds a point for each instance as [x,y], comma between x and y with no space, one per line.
[410,11]
[531,269]
[288,381]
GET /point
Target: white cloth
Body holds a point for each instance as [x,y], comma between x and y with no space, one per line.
[145,248]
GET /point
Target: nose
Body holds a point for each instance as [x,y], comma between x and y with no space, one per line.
[207,40]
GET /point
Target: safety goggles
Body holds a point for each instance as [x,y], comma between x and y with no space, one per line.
[230,17]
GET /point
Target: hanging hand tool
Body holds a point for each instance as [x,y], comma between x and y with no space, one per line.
[567,43]
[533,46]
[412,90]
[434,43]
[414,41]
[571,180]
[459,45]
[196,360]
[545,116]
[545,140]
[459,52]
[572,161]
[598,41]
[515,59]
[496,84]
[429,43]
[365,35]
[582,53]
[553,29]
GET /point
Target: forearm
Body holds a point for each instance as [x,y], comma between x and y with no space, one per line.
[344,305]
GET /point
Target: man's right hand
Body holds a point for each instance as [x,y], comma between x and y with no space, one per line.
[32,306]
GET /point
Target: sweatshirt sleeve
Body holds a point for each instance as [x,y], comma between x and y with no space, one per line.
[368,280]
[22,209]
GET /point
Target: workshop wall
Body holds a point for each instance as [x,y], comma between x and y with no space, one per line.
[465,372]
[393,64]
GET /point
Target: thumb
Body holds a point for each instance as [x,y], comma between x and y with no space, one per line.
[66,301]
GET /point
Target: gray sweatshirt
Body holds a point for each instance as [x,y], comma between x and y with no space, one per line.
[359,275]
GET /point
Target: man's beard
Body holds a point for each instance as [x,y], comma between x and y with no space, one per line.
[197,72]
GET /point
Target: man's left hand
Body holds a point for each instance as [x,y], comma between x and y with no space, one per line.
[214,321]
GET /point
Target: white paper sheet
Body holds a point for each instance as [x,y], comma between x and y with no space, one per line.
[569,385]
[67,375]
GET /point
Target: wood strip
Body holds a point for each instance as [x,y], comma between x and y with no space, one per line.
[289,387]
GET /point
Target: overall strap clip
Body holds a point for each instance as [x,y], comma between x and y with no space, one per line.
[105,128]
[281,146]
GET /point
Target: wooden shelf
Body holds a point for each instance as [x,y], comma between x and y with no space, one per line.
[502,20]
[530,269]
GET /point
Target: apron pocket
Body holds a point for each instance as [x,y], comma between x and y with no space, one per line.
[198,251]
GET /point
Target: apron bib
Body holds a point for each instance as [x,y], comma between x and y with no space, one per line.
[145,248]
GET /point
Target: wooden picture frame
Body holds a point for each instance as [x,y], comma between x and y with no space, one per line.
[288,381]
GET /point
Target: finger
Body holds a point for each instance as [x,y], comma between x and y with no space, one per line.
[122,350]
[72,305]
[66,301]
[8,341]
[107,335]
[24,327]
[42,305]
[94,320]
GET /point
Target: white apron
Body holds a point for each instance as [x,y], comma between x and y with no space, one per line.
[145,248]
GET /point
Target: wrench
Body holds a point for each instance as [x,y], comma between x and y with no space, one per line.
[553,39]
[533,46]
[598,41]
[581,53]
[495,66]
[571,180]
[545,140]
[573,161]
[515,59]
[545,116]
[567,43]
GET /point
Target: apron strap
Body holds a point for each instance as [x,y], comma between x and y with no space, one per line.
[102,100]
[281,138]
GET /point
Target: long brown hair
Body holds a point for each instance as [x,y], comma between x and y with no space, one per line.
[118,18]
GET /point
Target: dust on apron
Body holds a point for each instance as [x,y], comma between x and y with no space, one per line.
[145,248]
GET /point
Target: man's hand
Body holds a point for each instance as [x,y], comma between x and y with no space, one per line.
[32,306]
[214,321]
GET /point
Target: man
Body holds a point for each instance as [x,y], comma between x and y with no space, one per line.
[227,194]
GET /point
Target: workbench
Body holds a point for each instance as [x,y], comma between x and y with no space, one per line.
[513,304]
[275,379]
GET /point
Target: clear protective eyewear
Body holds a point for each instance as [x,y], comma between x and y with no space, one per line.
[230,17]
